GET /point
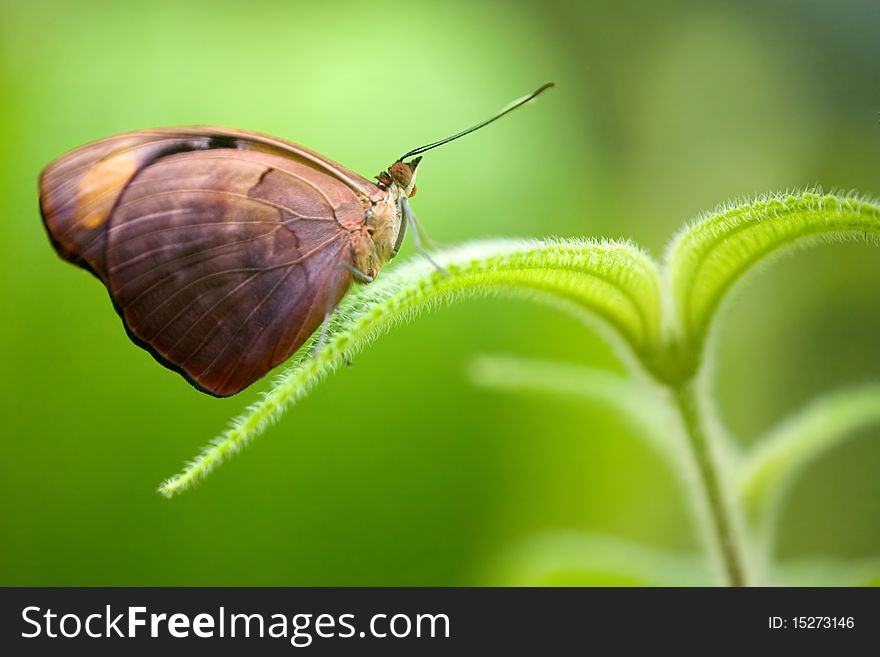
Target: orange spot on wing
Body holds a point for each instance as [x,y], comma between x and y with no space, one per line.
[99,188]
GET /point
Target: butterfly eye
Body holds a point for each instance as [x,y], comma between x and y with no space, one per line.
[384,180]
[402,174]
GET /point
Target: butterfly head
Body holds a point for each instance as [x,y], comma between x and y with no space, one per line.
[402,174]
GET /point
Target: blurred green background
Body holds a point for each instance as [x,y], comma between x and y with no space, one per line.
[398,471]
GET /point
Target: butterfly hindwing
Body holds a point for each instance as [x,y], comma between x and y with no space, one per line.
[223,262]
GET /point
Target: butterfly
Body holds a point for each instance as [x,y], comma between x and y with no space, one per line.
[224,250]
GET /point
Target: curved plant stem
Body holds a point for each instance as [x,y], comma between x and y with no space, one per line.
[722,513]
[709,257]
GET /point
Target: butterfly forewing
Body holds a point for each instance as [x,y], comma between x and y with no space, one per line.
[221,256]
[78,192]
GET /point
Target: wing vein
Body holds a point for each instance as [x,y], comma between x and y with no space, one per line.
[225,272]
[221,192]
[186,256]
[201,317]
[292,174]
[242,352]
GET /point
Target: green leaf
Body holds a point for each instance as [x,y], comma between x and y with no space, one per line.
[582,559]
[615,282]
[636,400]
[829,572]
[708,257]
[777,458]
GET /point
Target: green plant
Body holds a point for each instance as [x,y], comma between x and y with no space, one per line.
[661,318]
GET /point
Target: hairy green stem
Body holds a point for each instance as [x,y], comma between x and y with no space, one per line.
[722,513]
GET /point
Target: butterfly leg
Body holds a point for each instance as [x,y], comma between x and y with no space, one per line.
[415,230]
[337,280]
[420,232]
[357,273]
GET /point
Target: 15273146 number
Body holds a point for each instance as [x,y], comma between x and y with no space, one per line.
[811,622]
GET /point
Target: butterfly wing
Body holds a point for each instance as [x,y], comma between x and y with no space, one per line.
[221,259]
[79,190]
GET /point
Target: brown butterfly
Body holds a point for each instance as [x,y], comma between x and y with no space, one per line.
[223,250]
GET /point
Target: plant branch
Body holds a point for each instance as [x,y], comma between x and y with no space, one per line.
[662,323]
[725,536]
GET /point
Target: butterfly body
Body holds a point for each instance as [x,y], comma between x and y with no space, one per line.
[221,249]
